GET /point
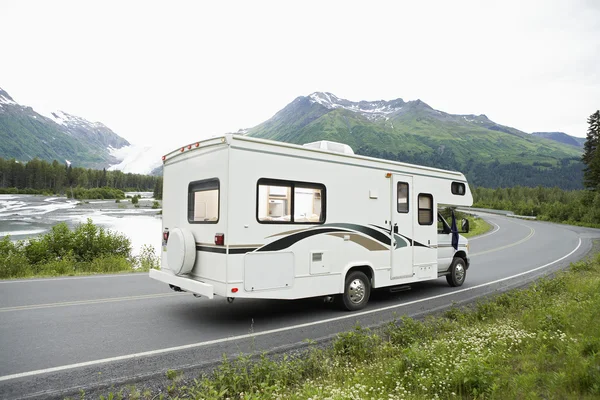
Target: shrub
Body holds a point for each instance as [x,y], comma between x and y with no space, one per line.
[13,263]
[62,266]
[96,193]
[91,241]
[107,264]
[358,344]
[147,259]
[155,205]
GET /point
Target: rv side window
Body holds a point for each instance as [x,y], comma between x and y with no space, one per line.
[425,209]
[203,201]
[402,197]
[458,188]
[290,202]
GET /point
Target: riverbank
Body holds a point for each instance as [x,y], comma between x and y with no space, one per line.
[24,217]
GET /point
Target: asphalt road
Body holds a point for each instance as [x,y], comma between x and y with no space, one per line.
[60,335]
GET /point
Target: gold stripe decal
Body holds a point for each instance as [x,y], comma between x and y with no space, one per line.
[367,243]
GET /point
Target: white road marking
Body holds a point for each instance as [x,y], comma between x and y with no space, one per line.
[86,302]
[72,278]
[495,230]
[251,335]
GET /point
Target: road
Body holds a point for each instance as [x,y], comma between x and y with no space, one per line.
[60,335]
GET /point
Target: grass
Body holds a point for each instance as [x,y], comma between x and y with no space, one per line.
[535,343]
[477,226]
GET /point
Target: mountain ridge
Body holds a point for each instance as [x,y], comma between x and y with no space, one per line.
[561,137]
[417,133]
[26,134]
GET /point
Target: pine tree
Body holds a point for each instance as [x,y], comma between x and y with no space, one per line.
[591,153]
[158,189]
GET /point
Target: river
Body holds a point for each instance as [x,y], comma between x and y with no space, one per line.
[26,216]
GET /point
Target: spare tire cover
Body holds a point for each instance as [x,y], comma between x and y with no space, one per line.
[181,251]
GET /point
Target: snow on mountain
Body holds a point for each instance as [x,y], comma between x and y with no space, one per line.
[6,99]
[137,159]
[370,109]
[62,136]
[72,121]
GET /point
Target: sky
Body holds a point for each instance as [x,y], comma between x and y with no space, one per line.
[173,72]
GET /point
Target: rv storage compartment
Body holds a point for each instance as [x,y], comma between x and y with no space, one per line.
[266,270]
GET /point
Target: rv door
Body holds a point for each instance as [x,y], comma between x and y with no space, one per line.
[402,210]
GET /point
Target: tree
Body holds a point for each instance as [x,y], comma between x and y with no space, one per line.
[158,189]
[591,154]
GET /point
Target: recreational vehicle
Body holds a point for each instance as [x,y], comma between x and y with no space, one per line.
[251,218]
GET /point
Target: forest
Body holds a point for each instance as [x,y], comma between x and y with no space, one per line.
[40,176]
[575,207]
[566,174]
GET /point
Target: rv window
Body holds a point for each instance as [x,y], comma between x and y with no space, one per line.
[290,202]
[458,188]
[203,201]
[425,209]
[402,197]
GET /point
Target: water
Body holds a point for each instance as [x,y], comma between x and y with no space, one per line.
[26,216]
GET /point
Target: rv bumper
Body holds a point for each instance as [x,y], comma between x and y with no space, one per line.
[187,284]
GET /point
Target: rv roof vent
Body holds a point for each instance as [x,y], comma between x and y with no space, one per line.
[330,146]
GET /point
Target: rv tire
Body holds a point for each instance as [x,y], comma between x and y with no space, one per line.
[457,272]
[357,290]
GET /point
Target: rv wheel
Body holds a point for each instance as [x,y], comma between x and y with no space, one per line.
[458,272]
[356,291]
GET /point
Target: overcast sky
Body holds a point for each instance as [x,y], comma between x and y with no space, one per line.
[177,71]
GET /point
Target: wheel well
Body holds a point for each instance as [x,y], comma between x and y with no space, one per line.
[365,269]
[463,255]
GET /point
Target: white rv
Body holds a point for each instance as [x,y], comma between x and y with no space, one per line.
[252,218]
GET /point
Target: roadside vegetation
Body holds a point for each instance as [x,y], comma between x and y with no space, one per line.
[536,342]
[577,207]
[477,226]
[87,249]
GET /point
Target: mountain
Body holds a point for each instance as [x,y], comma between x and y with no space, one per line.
[561,137]
[491,154]
[26,134]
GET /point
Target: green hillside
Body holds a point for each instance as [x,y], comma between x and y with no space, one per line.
[491,155]
[26,135]
[24,138]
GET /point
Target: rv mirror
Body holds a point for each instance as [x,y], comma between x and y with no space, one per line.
[465,225]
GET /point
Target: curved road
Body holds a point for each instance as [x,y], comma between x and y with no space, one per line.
[60,335]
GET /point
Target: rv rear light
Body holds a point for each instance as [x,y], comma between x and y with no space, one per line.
[388,175]
[234,290]
[197,144]
[182,149]
[189,146]
[164,158]
[166,235]
[220,239]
